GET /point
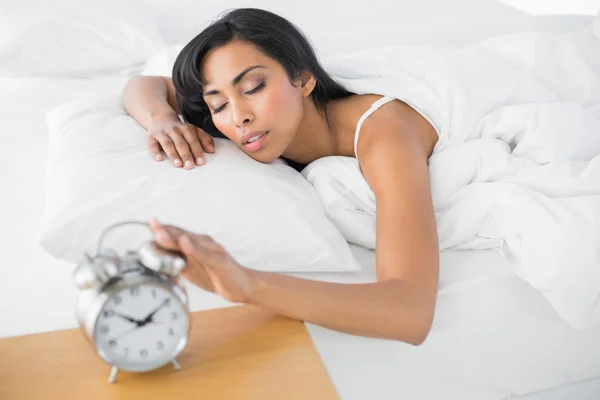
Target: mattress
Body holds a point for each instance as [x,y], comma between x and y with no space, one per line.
[493,335]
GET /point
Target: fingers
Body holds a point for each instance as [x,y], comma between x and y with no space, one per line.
[195,254]
[154,149]
[174,231]
[176,147]
[167,236]
[186,244]
[183,149]
[198,276]
[172,237]
[207,141]
[154,224]
[191,137]
[184,145]
[201,247]
[168,145]
[195,249]
[166,241]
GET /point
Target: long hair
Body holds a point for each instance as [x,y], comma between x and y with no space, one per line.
[275,36]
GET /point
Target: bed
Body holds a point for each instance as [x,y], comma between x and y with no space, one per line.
[494,337]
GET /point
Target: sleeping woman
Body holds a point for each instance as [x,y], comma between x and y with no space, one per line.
[253,78]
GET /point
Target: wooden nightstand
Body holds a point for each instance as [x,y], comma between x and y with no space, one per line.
[240,352]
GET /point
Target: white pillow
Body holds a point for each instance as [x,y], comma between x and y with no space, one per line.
[100,172]
[74,37]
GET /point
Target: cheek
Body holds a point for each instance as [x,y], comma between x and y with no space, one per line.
[224,126]
[280,109]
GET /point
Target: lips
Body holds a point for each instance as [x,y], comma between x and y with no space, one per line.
[257,143]
[249,135]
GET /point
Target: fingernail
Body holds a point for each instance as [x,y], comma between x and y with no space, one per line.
[177,161]
[158,157]
[200,161]
[188,164]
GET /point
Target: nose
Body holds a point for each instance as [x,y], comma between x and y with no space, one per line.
[242,114]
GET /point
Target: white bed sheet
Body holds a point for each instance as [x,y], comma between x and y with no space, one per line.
[493,337]
[583,390]
[37,293]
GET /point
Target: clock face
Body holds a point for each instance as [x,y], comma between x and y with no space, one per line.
[141,327]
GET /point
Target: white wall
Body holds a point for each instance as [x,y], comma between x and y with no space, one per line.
[554,7]
[337,26]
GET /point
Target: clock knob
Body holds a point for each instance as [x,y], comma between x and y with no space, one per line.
[160,260]
[84,275]
[97,271]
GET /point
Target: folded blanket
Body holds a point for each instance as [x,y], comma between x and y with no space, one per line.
[517,163]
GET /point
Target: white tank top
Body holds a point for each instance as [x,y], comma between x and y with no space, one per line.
[374,107]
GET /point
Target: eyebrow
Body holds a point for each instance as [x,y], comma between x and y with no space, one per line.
[235,80]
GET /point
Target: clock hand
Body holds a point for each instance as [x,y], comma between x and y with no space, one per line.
[148,319]
[133,330]
[135,321]
[125,333]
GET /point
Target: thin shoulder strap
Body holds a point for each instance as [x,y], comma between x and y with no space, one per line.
[374,107]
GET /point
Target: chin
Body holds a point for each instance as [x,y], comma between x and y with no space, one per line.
[267,154]
[267,159]
[264,155]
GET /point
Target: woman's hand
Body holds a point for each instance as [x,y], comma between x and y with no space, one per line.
[183,143]
[208,265]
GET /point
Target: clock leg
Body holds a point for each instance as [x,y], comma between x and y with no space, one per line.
[113,374]
[176,364]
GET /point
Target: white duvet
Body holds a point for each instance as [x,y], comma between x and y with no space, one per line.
[517,163]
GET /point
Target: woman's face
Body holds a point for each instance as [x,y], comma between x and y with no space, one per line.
[250,94]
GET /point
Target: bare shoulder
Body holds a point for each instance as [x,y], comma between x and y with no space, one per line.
[397,121]
[388,123]
[394,146]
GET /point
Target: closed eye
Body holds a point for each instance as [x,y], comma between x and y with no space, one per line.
[256,89]
[251,91]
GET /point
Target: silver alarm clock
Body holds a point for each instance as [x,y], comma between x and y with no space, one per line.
[133,308]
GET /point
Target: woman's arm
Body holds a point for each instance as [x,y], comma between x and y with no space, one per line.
[150,98]
[394,153]
[384,309]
